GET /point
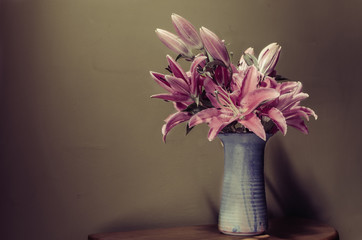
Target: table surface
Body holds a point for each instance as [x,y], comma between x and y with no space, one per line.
[284,228]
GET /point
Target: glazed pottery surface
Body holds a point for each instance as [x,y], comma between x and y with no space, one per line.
[243,209]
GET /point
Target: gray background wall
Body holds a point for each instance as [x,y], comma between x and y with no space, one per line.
[81,148]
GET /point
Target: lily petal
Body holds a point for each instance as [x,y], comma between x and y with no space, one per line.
[203,116]
[287,87]
[178,85]
[289,100]
[172,97]
[269,83]
[299,111]
[176,69]
[298,123]
[279,120]
[309,111]
[253,99]
[233,68]
[180,106]
[217,119]
[237,81]
[195,76]
[216,125]
[216,94]
[250,81]
[161,80]
[173,120]
[253,123]
[298,88]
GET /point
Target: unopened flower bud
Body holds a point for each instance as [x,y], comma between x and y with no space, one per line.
[173,42]
[214,46]
[186,31]
[268,58]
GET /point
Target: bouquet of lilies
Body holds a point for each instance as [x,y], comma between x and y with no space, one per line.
[247,97]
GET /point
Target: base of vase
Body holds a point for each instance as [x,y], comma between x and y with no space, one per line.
[247,234]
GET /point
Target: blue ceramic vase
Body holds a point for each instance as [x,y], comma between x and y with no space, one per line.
[243,209]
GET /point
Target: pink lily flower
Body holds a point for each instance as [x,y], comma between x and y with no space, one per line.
[238,105]
[214,46]
[266,61]
[186,31]
[285,110]
[224,96]
[173,42]
[181,87]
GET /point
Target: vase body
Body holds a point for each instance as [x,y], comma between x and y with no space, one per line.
[243,209]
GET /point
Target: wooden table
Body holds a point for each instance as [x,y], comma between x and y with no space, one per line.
[285,228]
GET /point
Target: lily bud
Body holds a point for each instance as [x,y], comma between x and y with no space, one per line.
[268,58]
[173,42]
[186,31]
[214,46]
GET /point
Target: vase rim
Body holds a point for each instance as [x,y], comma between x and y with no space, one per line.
[248,135]
[268,135]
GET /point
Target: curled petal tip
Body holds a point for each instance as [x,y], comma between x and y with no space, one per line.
[164,134]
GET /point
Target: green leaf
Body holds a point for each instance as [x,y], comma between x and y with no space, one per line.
[168,69]
[251,60]
[280,78]
[209,56]
[214,64]
[178,57]
[188,129]
[210,67]
[193,108]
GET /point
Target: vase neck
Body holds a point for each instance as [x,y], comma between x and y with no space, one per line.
[242,138]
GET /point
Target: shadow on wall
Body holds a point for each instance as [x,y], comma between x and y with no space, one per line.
[285,193]
[154,217]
